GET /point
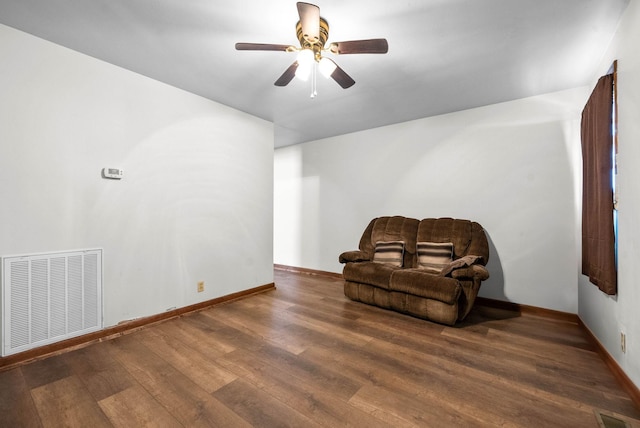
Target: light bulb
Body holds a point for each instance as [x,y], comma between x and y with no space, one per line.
[305,62]
[326,67]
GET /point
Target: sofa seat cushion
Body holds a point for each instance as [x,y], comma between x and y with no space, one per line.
[420,283]
[372,273]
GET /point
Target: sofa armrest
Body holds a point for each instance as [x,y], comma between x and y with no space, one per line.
[474,271]
[353,256]
[462,262]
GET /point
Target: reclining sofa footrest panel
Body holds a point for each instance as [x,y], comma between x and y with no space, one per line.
[367,294]
[428,309]
[417,282]
[419,307]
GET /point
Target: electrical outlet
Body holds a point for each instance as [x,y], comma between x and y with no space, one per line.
[200,286]
[623,342]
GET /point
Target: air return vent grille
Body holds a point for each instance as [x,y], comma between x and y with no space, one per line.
[50,297]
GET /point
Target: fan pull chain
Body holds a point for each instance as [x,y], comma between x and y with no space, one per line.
[314,88]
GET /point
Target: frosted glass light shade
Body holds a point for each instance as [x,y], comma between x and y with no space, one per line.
[326,67]
[305,62]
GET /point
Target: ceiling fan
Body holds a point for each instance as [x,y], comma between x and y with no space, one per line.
[313,31]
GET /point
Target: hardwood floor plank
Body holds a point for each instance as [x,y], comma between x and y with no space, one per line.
[271,300]
[259,408]
[134,407]
[408,410]
[198,367]
[543,348]
[314,320]
[195,333]
[67,403]
[45,371]
[186,401]
[313,400]
[17,408]
[270,357]
[101,375]
[260,324]
[211,323]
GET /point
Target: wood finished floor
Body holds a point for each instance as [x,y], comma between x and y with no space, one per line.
[303,355]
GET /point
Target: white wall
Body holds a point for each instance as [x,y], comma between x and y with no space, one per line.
[195,203]
[608,316]
[511,167]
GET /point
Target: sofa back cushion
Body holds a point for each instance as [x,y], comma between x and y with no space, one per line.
[467,237]
[396,228]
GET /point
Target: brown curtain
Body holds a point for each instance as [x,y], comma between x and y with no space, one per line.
[598,236]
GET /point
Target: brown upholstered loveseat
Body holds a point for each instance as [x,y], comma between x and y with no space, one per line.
[429,268]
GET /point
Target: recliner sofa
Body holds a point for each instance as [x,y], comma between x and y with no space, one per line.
[430,268]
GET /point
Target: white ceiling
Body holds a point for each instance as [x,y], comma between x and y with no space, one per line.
[444,55]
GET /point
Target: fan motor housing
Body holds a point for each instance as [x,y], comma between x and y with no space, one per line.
[310,44]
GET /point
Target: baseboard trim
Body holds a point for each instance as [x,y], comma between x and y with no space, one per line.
[527,310]
[622,378]
[123,328]
[306,271]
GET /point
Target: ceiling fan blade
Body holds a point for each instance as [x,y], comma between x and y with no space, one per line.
[262,47]
[310,21]
[343,79]
[288,75]
[370,46]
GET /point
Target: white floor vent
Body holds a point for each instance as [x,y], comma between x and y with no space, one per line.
[50,297]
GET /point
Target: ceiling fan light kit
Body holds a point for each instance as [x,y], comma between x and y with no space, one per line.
[326,67]
[312,32]
[305,62]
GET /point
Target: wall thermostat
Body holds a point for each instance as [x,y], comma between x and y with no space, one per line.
[114,173]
